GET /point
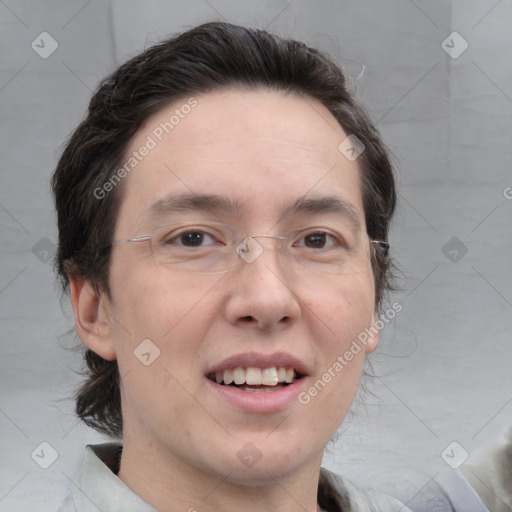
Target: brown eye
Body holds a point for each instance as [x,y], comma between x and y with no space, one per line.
[192,239]
[316,240]
[320,240]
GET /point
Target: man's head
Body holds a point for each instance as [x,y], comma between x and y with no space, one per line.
[241,129]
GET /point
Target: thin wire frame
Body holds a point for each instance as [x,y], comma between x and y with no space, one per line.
[225,256]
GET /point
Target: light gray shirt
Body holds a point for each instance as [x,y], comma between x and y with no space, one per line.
[449,491]
[98,489]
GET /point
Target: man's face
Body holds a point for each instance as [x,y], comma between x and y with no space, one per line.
[262,163]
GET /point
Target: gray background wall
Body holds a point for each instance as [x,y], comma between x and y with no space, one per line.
[443,367]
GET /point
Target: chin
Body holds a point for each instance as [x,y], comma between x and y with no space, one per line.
[261,474]
[260,462]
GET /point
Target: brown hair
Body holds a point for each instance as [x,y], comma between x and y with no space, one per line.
[206,58]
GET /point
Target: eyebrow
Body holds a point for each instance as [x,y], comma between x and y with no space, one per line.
[211,203]
[324,204]
[216,204]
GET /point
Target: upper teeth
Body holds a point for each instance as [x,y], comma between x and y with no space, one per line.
[256,376]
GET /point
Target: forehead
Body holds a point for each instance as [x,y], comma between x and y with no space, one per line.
[261,149]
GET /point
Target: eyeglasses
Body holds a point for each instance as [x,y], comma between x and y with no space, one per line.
[211,248]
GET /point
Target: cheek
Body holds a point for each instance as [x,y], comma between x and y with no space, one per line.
[160,321]
[337,318]
[148,303]
[342,310]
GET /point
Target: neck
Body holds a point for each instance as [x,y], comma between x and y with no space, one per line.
[170,484]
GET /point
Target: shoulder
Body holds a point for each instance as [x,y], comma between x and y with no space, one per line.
[489,471]
[97,486]
[336,493]
[447,491]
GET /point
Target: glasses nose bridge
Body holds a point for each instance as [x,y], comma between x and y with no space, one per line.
[249,249]
[267,236]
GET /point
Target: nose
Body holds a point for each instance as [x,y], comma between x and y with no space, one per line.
[261,295]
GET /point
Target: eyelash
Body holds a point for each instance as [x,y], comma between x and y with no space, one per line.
[336,240]
[328,236]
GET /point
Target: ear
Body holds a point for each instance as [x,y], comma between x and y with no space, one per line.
[374,334]
[92,318]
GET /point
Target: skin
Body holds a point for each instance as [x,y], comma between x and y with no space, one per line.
[263,149]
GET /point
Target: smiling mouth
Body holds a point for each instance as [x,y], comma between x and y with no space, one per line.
[256,380]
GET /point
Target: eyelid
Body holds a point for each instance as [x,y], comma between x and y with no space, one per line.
[338,237]
[227,233]
[176,233]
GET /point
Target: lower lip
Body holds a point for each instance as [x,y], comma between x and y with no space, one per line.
[267,402]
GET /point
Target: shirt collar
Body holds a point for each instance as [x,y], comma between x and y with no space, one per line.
[97,487]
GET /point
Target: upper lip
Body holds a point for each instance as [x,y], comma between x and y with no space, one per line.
[258,360]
